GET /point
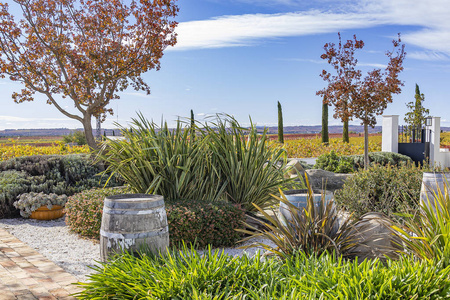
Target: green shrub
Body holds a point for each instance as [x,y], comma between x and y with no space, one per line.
[84,210]
[78,137]
[386,189]
[381,158]
[12,184]
[187,274]
[205,223]
[58,174]
[334,163]
[189,221]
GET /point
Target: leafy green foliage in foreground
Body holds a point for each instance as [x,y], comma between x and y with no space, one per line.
[188,275]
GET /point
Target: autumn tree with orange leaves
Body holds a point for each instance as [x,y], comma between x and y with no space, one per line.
[355,96]
[84,50]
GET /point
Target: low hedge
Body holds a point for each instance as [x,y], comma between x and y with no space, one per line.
[189,221]
[205,223]
[350,163]
[58,174]
[380,158]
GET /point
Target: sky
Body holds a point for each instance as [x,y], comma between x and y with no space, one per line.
[240,57]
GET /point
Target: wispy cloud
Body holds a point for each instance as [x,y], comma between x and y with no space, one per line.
[245,30]
[431,16]
[429,55]
[136,94]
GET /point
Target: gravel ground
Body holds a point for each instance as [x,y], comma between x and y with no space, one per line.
[74,254]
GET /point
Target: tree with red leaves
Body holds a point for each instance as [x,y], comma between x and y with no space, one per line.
[355,96]
[84,50]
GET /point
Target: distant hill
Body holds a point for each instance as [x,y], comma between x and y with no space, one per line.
[272,130]
[48,132]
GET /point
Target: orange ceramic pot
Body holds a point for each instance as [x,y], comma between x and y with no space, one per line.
[43,213]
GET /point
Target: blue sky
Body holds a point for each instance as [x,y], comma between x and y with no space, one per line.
[242,56]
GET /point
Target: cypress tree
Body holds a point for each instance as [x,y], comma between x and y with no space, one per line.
[325,138]
[280,124]
[192,126]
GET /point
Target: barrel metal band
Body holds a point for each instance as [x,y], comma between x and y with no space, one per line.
[134,205]
[138,235]
[131,212]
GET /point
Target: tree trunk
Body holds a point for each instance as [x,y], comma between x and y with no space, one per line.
[325,138]
[88,132]
[366,146]
[345,137]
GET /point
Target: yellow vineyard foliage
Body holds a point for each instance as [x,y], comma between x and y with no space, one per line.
[302,148]
[14,149]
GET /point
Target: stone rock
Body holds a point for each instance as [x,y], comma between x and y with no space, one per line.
[293,168]
[376,238]
[321,179]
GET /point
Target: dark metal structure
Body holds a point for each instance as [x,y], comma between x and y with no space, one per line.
[414,142]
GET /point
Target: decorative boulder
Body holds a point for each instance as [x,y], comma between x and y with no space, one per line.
[321,179]
[375,238]
[293,168]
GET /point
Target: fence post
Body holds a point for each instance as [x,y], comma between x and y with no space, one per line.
[389,135]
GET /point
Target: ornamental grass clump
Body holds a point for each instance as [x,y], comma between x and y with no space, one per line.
[315,229]
[157,160]
[30,202]
[250,169]
[187,274]
[426,233]
[223,162]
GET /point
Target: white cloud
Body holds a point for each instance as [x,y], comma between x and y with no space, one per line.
[14,119]
[136,94]
[428,55]
[374,65]
[431,16]
[245,30]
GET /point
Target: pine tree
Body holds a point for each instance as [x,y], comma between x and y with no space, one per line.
[280,124]
[325,138]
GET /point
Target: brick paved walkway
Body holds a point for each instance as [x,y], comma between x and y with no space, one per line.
[26,274]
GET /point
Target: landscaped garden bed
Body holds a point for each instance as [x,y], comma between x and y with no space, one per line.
[217,177]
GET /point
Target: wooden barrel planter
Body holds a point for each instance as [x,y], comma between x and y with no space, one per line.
[431,183]
[132,222]
[43,213]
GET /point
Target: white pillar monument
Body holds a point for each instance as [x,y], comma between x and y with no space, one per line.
[389,135]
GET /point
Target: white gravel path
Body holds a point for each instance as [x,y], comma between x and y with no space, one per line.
[74,254]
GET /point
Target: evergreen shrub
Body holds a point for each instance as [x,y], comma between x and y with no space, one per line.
[204,223]
[386,189]
[381,158]
[58,174]
[190,221]
[334,163]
